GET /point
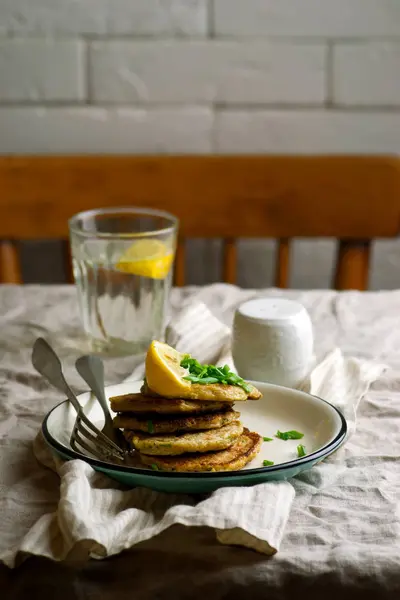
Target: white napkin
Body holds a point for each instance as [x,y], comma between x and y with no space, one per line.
[97,518]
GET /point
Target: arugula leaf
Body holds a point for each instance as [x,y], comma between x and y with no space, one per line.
[267,439]
[301,451]
[267,463]
[150,427]
[154,467]
[289,435]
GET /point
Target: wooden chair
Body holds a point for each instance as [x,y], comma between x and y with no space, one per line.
[354,199]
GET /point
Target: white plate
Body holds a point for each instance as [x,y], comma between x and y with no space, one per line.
[283,409]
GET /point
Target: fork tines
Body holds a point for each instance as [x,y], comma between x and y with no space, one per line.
[87,436]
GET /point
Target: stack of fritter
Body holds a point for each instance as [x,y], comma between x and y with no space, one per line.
[201,432]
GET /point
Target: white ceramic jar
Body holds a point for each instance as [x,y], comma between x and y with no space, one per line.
[272,341]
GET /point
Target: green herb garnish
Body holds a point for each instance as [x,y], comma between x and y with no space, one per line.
[150,427]
[267,463]
[289,435]
[154,467]
[208,374]
[266,439]
[301,451]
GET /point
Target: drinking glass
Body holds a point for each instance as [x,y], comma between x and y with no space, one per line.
[123,262]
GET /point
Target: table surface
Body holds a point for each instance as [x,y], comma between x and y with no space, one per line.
[343,534]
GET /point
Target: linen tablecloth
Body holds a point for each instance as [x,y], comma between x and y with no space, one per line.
[343,534]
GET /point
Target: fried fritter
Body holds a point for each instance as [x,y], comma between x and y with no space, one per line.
[154,424]
[216,392]
[138,403]
[171,445]
[234,458]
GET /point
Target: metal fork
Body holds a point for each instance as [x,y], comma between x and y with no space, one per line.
[91,369]
[48,364]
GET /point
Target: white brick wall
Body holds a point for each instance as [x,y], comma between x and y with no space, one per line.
[367,74]
[202,76]
[307,132]
[41,70]
[311,18]
[94,130]
[104,17]
[206,72]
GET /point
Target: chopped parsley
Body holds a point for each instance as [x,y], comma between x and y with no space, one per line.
[289,435]
[208,374]
[267,463]
[301,451]
[267,439]
[150,426]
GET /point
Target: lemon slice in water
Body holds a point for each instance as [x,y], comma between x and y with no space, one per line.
[148,258]
[163,371]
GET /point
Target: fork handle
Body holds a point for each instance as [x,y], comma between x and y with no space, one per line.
[91,369]
[71,397]
[48,364]
[62,386]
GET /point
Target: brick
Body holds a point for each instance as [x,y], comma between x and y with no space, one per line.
[98,130]
[158,17]
[307,17]
[307,132]
[228,72]
[41,70]
[53,16]
[367,74]
[101,17]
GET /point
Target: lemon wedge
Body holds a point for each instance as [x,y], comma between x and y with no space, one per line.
[163,371]
[148,258]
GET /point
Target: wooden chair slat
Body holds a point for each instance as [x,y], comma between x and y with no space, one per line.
[68,267]
[10,269]
[241,196]
[282,263]
[282,197]
[352,265]
[180,263]
[229,261]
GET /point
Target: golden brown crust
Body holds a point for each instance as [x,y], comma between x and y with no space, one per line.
[255,394]
[215,392]
[198,441]
[233,459]
[138,403]
[172,424]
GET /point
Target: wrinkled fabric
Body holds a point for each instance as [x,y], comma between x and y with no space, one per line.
[96,519]
[344,524]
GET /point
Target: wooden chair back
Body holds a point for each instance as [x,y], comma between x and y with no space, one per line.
[353,199]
